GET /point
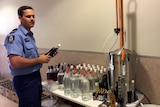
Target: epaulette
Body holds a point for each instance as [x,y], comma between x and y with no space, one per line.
[13,31]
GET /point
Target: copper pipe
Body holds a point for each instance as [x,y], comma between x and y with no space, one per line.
[119,20]
[123,55]
[121,24]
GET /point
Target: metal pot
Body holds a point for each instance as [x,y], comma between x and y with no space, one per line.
[122,73]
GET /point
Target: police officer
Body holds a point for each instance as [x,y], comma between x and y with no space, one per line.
[24,60]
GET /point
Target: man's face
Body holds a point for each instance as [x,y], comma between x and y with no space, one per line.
[28,19]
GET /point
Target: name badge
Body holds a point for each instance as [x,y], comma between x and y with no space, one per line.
[26,39]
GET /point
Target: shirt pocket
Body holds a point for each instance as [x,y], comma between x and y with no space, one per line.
[29,50]
[29,46]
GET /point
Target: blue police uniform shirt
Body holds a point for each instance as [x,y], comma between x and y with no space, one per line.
[21,42]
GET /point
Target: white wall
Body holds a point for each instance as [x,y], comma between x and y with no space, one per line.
[86,24]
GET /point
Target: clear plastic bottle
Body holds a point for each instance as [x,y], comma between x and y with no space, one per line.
[91,81]
[67,83]
[85,88]
[75,85]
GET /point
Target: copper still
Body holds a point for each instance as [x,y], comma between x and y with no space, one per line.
[122,65]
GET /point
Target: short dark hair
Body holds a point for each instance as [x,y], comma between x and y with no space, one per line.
[20,10]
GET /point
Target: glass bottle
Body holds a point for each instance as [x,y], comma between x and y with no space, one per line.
[48,73]
[52,51]
[60,76]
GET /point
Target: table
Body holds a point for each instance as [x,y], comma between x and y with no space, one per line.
[90,103]
[60,93]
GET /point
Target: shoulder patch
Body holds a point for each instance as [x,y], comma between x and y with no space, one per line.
[13,31]
[11,39]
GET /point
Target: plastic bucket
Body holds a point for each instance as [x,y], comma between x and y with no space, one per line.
[48,103]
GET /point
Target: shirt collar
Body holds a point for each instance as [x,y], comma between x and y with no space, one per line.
[30,33]
[25,31]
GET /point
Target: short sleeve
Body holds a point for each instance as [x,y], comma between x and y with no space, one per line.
[13,44]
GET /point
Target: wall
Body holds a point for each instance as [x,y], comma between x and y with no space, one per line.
[147,73]
[84,25]
[147,78]
[3,63]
